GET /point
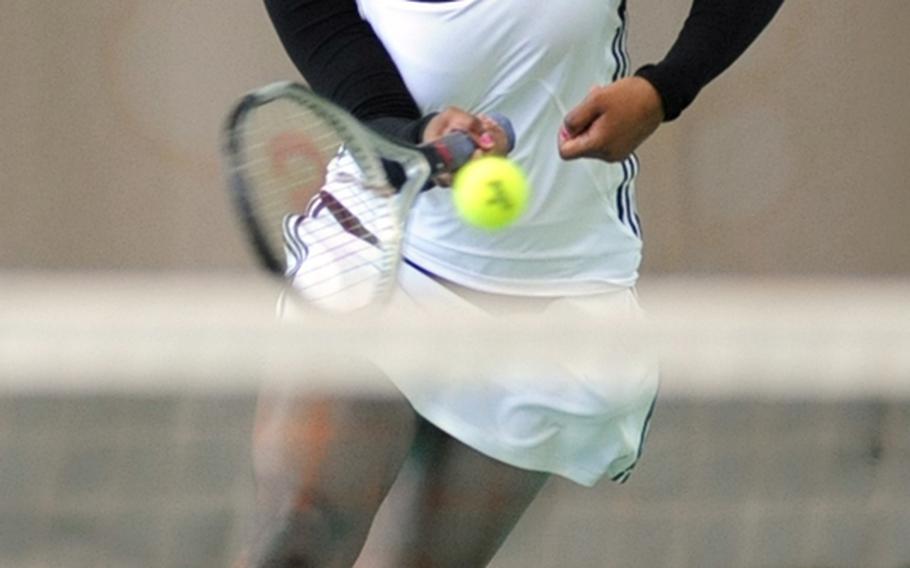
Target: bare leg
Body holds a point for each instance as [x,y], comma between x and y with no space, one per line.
[468,503]
[323,466]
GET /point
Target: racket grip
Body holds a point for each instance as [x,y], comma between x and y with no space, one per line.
[460,147]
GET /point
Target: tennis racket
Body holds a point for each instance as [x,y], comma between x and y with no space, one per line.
[322,198]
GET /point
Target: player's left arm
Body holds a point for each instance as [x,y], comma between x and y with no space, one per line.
[613,120]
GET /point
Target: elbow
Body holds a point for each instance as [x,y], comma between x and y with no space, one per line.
[275,8]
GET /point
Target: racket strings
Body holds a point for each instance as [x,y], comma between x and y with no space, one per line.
[300,245]
[342,242]
[337,232]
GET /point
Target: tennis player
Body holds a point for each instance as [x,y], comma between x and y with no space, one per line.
[417,69]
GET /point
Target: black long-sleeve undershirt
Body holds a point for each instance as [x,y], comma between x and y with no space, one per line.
[715,34]
[340,56]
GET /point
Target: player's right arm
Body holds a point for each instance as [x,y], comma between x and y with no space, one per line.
[342,59]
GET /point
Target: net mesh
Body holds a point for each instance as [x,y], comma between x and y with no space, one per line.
[780,438]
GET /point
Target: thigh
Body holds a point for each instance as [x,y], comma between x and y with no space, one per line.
[468,503]
[323,465]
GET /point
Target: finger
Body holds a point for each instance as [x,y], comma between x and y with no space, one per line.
[449,120]
[581,146]
[595,145]
[457,119]
[485,141]
[495,135]
[473,126]
[479,133]
[579,119]
[443,180]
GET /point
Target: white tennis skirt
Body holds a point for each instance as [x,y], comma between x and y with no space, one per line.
[582,420]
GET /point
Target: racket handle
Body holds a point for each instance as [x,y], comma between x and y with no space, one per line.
[455,149]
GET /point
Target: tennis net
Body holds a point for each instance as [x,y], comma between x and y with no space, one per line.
[781,437]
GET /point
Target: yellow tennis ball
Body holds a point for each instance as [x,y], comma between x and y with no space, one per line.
[490,192]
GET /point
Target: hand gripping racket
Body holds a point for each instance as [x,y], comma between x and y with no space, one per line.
[322,198]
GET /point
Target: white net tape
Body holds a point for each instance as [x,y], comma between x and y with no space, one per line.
[779,438]
[715,338]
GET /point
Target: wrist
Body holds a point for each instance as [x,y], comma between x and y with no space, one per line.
[407,130]
[652,100]
[421,126]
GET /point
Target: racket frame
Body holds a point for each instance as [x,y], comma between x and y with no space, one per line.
[365,146]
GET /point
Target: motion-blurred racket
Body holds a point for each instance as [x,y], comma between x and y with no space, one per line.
[324,199]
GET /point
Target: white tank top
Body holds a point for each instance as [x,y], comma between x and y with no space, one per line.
[531,60]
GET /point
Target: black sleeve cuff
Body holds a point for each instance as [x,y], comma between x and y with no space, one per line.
[673,100]
[409,131]
[715,34]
